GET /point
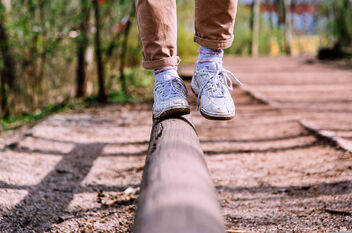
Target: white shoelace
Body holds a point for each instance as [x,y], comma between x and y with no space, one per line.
[169,90]
[215,83]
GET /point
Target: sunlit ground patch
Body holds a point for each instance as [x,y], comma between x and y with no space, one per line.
[10,197]
[17,168]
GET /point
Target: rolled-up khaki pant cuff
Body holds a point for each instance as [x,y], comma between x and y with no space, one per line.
[213,44]
[158,64]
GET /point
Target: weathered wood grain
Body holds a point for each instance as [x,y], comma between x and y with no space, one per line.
[177,194]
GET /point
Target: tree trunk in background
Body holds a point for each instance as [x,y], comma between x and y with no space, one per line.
[288,26]
[255,27]
[251,23]
[124,50]
[283,8]
[269,6]
[98,55]
[8,69]
[4,107]
[43,53]
[82,45]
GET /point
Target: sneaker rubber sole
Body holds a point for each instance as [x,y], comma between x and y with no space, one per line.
[212,117]
[174,112]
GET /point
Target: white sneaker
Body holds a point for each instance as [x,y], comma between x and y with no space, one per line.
[170,98]
[211,84]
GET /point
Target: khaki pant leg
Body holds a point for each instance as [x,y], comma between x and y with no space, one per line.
[157,25]
[214,23]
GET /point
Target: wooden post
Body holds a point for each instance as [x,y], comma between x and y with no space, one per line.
[177,194]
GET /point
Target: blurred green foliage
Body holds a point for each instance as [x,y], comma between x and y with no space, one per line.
[242,33]
[340,23]
[43,38]
[186,48]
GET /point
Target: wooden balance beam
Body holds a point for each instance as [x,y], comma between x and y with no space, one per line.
[177,194]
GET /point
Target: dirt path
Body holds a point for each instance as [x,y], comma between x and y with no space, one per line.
[318,93]
[81,172]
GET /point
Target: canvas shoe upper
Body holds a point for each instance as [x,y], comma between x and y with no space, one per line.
[211,84]
[170,97]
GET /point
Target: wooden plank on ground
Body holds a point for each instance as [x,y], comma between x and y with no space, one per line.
[177,194]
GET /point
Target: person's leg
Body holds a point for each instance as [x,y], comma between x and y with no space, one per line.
[214,22]
[157,24]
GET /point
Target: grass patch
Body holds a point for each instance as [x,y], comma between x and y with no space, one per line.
[139,83]
[12,122]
